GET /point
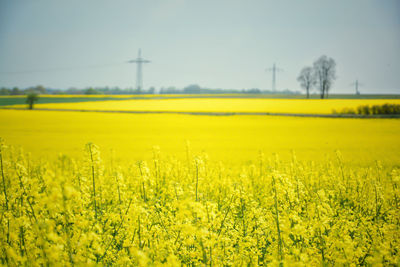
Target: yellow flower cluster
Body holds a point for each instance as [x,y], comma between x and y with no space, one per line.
[196,212]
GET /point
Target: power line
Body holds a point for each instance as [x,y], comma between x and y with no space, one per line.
[62,69]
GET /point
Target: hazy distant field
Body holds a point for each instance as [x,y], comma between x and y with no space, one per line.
[226,138]
[242,105]
[21,99]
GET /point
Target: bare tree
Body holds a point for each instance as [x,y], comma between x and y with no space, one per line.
[325,74]
[307,79]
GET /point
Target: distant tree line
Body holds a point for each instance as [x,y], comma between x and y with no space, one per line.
[385,109]
[72,91]
[196,89]
[190,89]
[17,91]
[320,76]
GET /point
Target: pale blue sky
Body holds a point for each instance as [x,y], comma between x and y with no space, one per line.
[217,44]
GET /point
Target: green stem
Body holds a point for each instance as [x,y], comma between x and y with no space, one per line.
[93,180]
[280,253]
[3,176]
[197,179]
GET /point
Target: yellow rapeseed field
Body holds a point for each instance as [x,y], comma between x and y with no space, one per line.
[90,188]
[306,106]
[225,138]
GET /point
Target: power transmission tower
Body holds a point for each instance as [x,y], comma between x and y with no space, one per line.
[139,61]
[356,84]
[274,69]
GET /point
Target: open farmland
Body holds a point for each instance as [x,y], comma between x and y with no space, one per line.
[86,188]
[225,138]
[20,100]
[226,104]
[199,133]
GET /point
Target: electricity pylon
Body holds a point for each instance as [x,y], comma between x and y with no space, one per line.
[139,61]
[274,69]
[356,85]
